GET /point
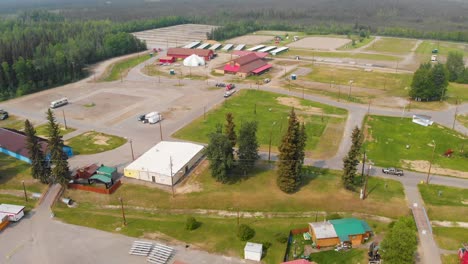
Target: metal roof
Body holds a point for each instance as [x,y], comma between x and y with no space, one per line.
[215,46]
[323,230]
[108,171]
[15,141]
[101,177]
[266,49]
[158,158]
[227,47]
[203,46]
[256,48]
[239,47]
[253,247]
[349,226]
[192,44]
[11,208]
[278,50]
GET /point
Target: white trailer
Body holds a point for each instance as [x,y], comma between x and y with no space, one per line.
[14,212]
[153,117]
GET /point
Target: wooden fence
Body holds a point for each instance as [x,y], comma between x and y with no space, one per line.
[95,189]
[292,233]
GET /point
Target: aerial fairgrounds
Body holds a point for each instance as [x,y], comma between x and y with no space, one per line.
[136,184]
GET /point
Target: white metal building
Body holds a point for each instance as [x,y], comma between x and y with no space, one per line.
[253,251]
[165,163]
[14,212]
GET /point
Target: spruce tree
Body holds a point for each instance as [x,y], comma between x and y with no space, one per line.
[39,166]
[220,153]
[302,143]
[248,146]
[230,129]
[59,159]
[289,165]
[351,160]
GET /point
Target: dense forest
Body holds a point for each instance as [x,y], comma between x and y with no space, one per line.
[39,50]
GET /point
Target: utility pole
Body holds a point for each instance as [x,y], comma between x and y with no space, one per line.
[363,165]
[172,178]
[123,211]
[269,145]
[365,184]
[430,163]
[64,119]
[368,107]
[24,189]
[160,127]
[455,114]
[131,148]
[349,93]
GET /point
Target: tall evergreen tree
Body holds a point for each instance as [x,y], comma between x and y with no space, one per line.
[39,166]
[248,145]
[439,77]
[59,159]
[398,250]
[302,143]
[429,82]
[455,65]
[351,160]
[220,153]
[289,165]
[230,129]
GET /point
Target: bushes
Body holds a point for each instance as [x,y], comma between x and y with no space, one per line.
[281,238]
[245,232]
[191,223]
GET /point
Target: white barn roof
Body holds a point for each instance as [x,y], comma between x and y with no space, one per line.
[227,47]
[256,48]
[240,47]
[253,247]
[11,208]
[323,230]
[158,158]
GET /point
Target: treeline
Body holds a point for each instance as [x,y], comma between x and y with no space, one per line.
[39,49]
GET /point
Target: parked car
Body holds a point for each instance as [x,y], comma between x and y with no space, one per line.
[3,114]
[229,93]
[267,80]
[230,86]
[220,85]
[141,118]
[392,171]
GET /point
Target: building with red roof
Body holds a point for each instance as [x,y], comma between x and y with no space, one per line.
[182,53]
[245,66]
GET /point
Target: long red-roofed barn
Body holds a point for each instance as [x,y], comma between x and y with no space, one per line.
[182,53]
[244,66]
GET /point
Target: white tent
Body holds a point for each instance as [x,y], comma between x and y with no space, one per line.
[194,60]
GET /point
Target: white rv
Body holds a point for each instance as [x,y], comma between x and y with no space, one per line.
[153,117]
[59,103]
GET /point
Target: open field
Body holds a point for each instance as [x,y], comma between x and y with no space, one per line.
[450,259]
[450,238]
[392,45]
[392,83]
[320,43]
[387,138]
[463,119]
[174,36]
[249,39]
[94,142]
[270,111]
[358,43]
[444,48]
[339,54]
[451,205]
[354,256]
[197,73]
[457,91]
[43,130]
[121,68]
[13,122]
[200,190]
[13,172]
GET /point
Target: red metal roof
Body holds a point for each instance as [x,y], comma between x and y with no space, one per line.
[261,69]
[246,59]
[166,58]
[246,52]
[188,52]
[298,261]
[15,141]
[86,172]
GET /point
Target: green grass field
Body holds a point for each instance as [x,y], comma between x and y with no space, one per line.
[13,172]
[270,110]
[463,119]
[451,205]
[457,91]
[444,48]
[450,259]
[42,130]
[450,238]
[339,54]
[121,68]
[387,137]
[94,142]
[392,45]
[358,43]
[394,83]
[354,256]
[13,122]
[320,187]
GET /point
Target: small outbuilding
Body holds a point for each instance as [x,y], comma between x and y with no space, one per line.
[333,232]
[167,59]
[253,251]
[422,120]
[165,163]
[14,212]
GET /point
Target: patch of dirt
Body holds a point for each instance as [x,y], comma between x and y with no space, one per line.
[320,43]
[423,166]
[100,139]
[367,134]
[294,102]
[191,183]
[250,39]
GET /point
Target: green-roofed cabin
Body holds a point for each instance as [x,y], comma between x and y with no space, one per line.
[105,175]
[352,230]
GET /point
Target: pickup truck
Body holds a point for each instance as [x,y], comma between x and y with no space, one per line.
[3,114]
[393,171]
[230,86]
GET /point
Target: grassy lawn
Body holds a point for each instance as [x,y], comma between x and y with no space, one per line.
[450,259]
[392,45]
[340,54]
[42,130]
[463,119]
[94,142]
[444,48]
[333,257]
[457,91]
[320,187]
[387,137]
[358,43]
[450,238]
[394,83]
[153,70]
[121,68]
[13,171]
[13,122]
[271,114]
[451,205]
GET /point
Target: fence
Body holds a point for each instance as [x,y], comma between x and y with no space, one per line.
[292,233]
[95,189]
